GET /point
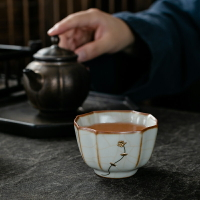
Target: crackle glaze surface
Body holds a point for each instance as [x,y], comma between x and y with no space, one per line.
[113,154]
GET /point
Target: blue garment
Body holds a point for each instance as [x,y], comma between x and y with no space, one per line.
[171,29]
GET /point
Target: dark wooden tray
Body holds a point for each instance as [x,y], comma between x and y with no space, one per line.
[20,118]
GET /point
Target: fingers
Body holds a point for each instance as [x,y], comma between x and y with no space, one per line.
[81,37]
[75,38]
[92,50]
[67,40]
[93,24]
[76,20]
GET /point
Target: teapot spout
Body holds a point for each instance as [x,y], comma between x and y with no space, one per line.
[35,79]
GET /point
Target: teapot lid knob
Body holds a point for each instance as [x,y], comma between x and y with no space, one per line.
[55,40]
[55,53]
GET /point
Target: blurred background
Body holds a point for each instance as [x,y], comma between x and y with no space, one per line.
[22,21]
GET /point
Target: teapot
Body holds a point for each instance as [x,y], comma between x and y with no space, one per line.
[54,81]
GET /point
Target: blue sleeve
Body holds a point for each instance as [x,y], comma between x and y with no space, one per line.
[171,29]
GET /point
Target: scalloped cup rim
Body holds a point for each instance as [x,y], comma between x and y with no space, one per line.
[114,132]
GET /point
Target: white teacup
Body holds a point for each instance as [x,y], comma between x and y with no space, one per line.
[115,154]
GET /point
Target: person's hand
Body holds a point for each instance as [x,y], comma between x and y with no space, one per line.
[91,33]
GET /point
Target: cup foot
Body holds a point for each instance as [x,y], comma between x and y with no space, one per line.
[115,174]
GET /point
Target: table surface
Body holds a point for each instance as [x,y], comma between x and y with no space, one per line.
[53,168]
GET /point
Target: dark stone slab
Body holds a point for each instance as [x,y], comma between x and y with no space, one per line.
[20,115]
[53,168]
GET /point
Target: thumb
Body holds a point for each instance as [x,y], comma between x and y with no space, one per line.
[92,50]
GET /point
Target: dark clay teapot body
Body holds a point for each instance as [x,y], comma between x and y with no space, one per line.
[55,82]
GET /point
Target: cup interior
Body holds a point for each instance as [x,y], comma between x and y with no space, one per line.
[97,117]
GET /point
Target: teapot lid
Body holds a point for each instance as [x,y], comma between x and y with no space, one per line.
[54,53]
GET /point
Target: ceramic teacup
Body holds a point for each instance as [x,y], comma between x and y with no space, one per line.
[115,154]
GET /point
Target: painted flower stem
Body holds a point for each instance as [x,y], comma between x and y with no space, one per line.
[120,144]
